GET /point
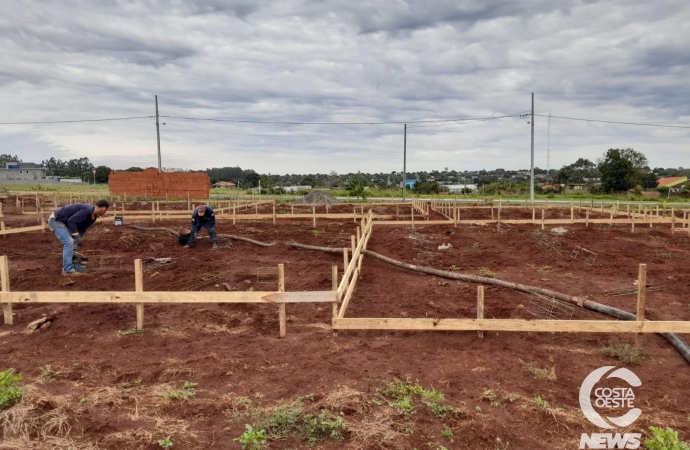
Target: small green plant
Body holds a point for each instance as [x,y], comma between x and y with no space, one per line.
[187,391]
[546,279]
[665,439]
[251,289]
[545,374]
[540,402]
[317,233]
[130,332]
[228,373]
[448,433]
[399,389]
[630,354]
[84,400]
[284,419]
[545,269]
[478,408]
[10,393]
[489,395]
[165,442]
[403,406]
[495,404]
[323,426]
[454,268]
[486,272]
[252,438]
[47,373]
[441,411]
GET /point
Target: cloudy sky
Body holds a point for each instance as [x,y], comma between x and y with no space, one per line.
[377,62]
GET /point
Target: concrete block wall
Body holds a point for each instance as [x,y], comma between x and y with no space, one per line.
[152,183]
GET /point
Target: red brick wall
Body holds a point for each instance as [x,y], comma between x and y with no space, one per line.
[152,183]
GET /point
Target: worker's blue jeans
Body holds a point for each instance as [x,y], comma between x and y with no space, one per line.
[210,229]
[63,234]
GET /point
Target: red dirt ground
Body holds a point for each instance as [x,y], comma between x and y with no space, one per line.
[204,343]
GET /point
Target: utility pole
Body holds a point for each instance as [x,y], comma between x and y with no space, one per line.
[158,135]
[404,183]
[531,184]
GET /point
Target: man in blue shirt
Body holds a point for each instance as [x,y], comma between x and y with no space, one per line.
[69,223]
[203,217]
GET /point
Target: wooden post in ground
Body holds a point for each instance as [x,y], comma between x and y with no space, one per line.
[572,212]
[139,287]
[641,296]
[673,221]
[632,219]
[534,212]
[499,212]
[492,212]
[282,316]
[313,215]
[480,307]
[542,218]
[413,217]
[580,208]
[354,214]
[5,287]
[274,214]
[234,213]
[602,207]
[587,218]
[334,287]
[353,243]
[628,209]
[345,261]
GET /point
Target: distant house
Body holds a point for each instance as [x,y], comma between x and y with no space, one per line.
[458,188]
[296,188]
[673,183]
[22,171]
[224,185]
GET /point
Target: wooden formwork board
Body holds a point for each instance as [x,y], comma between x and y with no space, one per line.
[166,297]
[550,326]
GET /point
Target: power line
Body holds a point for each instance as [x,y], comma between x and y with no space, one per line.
[76,121]
[480,119]
[444,121]
[612,121]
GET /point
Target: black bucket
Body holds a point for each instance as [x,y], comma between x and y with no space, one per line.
[183,236]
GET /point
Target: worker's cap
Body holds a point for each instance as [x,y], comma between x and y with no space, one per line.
[201,209]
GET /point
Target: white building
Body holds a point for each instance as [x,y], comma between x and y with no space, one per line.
[296,188]
[457,188]
[22,171]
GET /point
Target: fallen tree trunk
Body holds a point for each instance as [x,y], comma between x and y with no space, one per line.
[582,302]
[229,236]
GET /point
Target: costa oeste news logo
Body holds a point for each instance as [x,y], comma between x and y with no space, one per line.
[609,398]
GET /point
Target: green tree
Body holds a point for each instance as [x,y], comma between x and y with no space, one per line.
[134,169]
[102,174]
[617,172]
[252,179]
[648,180]
[356,186]
[8,158]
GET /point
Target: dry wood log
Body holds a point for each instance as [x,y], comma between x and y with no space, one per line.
[229,236]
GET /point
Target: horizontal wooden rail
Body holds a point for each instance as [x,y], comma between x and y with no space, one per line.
[566,326]
[165,297]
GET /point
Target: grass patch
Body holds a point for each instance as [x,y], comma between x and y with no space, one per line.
[187,391]
[545,269]
[10,393]
[399,389]
[448,433]
[252,439]
[545,374]
[441,411]
[130,332]
[630,354]
[324,426]
[665,439]
[486,272]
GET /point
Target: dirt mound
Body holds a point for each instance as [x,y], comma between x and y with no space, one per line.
[317,198]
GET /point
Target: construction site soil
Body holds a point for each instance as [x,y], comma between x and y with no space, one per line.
[91,381]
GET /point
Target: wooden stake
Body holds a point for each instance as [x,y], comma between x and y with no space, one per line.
[274,214]
[354,244]
[534,212]
[480,307]
[282,316]
[413,217]
[345,261]
[313,214]
[334,287]
[673,221]
[139,287]
[5,287]
[587,218]
[641,296]
[542,218]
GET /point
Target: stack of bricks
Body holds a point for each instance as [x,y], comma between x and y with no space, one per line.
[152,183]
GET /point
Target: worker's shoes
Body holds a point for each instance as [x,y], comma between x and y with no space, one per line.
[73,273]
[187,246]
[215,246]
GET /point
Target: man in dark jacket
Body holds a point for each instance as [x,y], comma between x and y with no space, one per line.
[69,223]
[203,217]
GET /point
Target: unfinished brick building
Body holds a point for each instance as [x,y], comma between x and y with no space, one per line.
[152,183]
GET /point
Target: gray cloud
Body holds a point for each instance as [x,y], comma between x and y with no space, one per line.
[343,61]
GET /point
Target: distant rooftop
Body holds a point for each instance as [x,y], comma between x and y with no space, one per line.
[671,181]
